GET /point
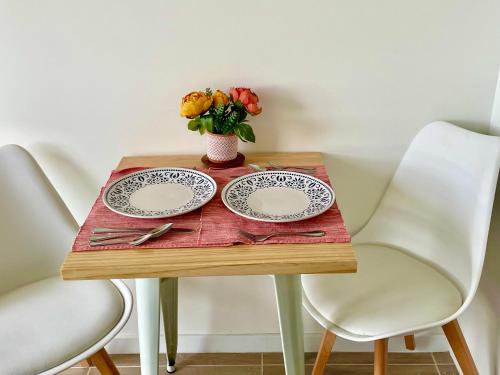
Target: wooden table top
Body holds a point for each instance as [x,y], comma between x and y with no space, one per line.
[212,261]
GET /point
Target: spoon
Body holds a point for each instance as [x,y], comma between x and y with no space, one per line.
[257,168]
[156,232]
[123,233]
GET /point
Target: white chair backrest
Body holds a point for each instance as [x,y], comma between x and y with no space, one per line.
[438,204]
[36,228]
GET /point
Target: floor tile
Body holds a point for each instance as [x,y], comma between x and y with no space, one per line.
[187,359]
[217,370]
[340,363]
[280,370]
[121,370]
[75,371]
[443,358]
[448,370]
[351,358]
[360,370]
[410,358]
[412,370]
[330,370]
[128,359]
[277,358]
[349,370]
[357,358]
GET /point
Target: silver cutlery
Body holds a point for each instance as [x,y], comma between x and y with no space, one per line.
[255,167]
[294,168]
[134,233]
[263,237]
[276,167]
[258,168]
[156,232]
[97,230]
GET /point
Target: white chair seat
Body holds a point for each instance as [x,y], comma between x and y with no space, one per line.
[391,292]
[48,322]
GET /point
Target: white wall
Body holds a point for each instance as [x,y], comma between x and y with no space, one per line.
[84,82]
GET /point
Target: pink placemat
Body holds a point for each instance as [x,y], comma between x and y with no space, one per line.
[212,224]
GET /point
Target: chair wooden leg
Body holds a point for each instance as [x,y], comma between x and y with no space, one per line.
[103,363]
[410,342]
[86,363]
[324,352]
[460,349]
[381,349]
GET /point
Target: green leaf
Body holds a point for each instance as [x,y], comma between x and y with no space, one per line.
[207,123]
[230,123]
[244,132]
[239,105]
[219,110]
[194,124]
[218,119]
[243,116]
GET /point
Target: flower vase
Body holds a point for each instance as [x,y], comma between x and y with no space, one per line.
[222,148]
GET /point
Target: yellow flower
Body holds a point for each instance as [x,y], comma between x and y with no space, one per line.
[195,103]
[220,98]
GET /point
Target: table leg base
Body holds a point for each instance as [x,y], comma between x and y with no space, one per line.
[170,369]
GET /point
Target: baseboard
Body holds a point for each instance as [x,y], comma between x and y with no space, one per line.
[235,343]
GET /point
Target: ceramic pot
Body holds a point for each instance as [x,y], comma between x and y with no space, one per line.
[221,148]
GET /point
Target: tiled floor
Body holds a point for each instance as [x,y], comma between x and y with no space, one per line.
[272,364]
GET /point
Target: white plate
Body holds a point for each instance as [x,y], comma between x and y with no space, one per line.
[278,196]
[159,192]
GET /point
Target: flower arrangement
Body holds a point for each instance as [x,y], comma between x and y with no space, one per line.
[219,113]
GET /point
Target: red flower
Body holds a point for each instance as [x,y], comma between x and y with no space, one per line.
[249,99]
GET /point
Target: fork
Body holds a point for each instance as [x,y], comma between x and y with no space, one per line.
[255,167]
[274,167]
[277,166]
[156,232]
[97,230]
[264,237]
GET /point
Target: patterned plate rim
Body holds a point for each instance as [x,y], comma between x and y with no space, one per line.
[236,180]
[210,179]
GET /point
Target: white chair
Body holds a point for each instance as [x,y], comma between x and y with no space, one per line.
[421,254]
[47,324]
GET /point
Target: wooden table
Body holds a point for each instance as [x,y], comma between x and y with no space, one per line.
[285,261]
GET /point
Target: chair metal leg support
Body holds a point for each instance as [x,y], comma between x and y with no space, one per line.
[289,299]
[169,303]
[148,319]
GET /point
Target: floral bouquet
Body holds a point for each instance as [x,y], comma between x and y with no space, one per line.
[218,113]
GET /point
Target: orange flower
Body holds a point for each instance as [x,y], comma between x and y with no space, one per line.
[195,103]
[220,98]
[248,98]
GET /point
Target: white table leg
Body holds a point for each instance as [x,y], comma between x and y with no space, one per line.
[148,317]
[289,299]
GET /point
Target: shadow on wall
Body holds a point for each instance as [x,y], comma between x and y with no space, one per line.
[283,115]
[359,184]
[212,297]
[478,127]
[73,183]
